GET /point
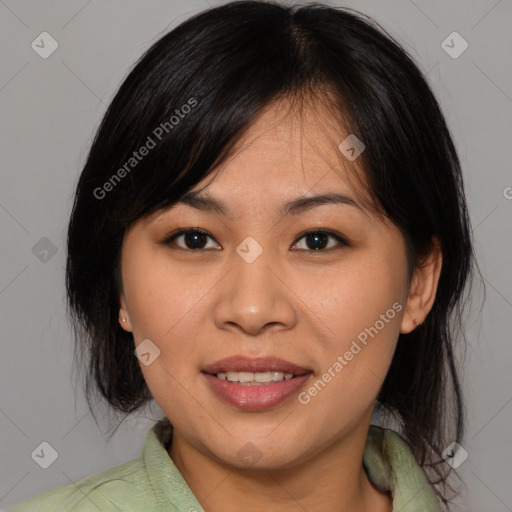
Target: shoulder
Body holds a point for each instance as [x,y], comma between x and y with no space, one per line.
[108,491]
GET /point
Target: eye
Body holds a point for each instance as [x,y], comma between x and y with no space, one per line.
[317,240]
[197,239]
[193,239]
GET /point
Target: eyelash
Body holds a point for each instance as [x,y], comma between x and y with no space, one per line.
[342,242]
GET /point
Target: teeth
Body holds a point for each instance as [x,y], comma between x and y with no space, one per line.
[254,378]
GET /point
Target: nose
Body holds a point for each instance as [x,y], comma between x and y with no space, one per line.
[255,297]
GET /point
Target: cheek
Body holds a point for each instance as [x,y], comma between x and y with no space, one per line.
[160,301]
[357,295]
[163,306]
[360,311]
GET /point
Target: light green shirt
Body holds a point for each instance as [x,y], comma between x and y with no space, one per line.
[152,483]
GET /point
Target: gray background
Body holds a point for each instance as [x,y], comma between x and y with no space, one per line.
[50,109]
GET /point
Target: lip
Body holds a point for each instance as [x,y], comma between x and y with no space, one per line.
[259,364]
[258,397]
[255,397]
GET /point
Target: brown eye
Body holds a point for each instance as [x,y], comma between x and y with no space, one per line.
[192,239]
[319,240]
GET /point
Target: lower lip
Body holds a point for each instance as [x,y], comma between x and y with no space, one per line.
[255,397]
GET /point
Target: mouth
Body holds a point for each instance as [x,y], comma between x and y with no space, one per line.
[262,370]
[255,384]
[254,378]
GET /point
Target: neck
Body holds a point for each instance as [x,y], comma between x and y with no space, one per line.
[333,479]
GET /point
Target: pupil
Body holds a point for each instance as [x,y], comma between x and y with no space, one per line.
[316,237]
[194,238]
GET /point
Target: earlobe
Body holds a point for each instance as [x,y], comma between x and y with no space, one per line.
[124,318]
[422,292]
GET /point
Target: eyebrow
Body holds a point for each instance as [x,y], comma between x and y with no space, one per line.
[293,207]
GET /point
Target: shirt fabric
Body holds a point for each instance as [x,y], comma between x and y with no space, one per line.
[152,483]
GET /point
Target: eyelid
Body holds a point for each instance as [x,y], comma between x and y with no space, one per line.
[183,231]
[327,232]
[168,239]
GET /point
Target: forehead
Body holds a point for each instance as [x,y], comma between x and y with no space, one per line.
[290,149]
[284,161]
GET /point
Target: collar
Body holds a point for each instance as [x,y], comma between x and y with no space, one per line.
[387,460]
[392,467]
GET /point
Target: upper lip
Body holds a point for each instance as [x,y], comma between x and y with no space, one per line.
[260,364]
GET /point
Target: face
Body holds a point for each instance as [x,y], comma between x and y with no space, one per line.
[319,290]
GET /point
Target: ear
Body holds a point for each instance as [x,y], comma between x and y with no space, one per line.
[124,317]
[423,288]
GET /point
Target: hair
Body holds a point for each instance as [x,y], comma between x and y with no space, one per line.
[191,97]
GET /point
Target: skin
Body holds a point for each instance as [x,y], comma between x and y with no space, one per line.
[293,302]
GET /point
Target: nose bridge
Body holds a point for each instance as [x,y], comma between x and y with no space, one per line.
[252,297]
[253,279]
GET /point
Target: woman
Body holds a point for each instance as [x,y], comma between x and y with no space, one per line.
[270,239]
